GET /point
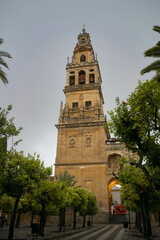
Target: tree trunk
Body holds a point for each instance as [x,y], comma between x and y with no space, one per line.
[146,216]
[42,220]
[18,220]
[45,219]
[138,224]
[74,220]
[91,220]
[13,218]
[64,219]
[129,215]
[60,220]
[32,219]
[84,221]
[136,220]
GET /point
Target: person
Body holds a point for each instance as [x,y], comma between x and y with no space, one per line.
[113,210]
[5,220]
[112,207]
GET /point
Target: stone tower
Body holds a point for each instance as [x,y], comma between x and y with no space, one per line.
[84,147]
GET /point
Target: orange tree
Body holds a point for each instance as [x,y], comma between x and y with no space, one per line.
[20,175]
[138,193]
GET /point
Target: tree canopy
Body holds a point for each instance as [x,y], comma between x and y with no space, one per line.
[3,54]
[138,192]
[66,177]
[136,122]
[153,52]
[7,130]
[20,175]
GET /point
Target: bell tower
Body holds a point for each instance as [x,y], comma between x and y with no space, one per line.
[81,125]
[84,99]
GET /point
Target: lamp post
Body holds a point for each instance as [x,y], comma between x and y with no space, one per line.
[42,221]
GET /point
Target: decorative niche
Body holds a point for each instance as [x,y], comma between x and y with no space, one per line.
[91,78]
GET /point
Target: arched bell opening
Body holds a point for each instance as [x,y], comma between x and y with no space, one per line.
[82,77]
[82,58]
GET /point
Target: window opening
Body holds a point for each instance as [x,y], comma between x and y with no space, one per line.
[75,105]
[88,103]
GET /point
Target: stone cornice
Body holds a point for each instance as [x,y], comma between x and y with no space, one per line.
[79,164]
[115,149]
[78,125]
[82,87]
[81,65]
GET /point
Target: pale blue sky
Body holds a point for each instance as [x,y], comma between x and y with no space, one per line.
[41,34]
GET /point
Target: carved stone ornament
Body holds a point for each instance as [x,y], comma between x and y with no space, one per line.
[88,141]
[81,107]
[81,97]
[72,143]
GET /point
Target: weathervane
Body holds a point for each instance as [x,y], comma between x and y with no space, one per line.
[84,30]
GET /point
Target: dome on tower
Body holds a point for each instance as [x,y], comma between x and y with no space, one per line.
[83,38]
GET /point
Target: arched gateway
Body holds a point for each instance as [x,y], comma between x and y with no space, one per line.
[112,183]
[84,146]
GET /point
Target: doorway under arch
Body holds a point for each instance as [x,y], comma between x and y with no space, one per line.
[112,183]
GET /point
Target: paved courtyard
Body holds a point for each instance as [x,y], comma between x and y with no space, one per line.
[98,232]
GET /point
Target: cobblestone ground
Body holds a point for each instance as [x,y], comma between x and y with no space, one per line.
[99,232]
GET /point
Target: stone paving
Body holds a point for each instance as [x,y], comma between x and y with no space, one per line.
[52,233]
[134,234]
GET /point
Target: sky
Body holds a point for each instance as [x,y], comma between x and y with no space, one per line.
[41,34]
